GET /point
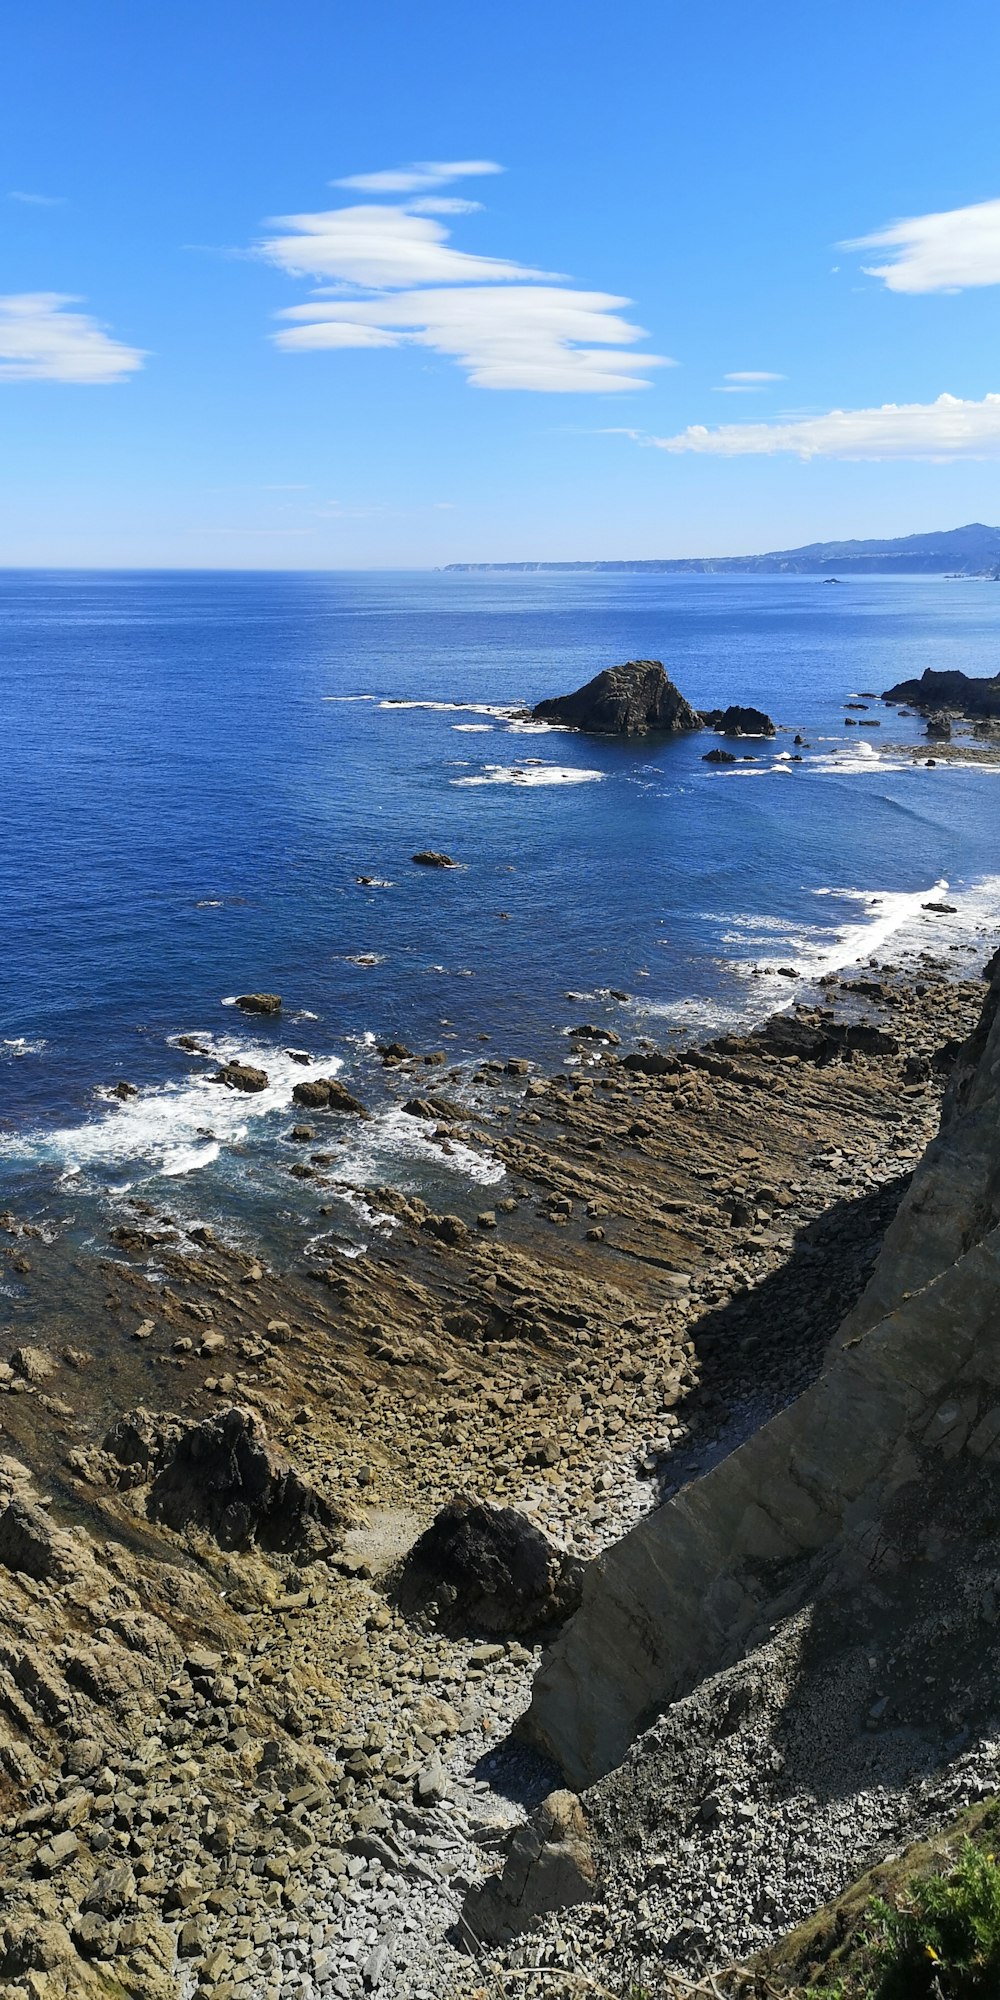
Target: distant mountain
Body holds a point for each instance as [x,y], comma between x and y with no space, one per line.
[971,551]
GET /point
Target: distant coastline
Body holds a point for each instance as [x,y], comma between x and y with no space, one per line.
[972,551]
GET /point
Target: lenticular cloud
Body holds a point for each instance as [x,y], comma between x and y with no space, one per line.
[41,342]
[389,277]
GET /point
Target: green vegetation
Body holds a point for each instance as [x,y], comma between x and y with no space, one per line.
[942,1942]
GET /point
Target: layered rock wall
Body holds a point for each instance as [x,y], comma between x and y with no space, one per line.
[913,1380]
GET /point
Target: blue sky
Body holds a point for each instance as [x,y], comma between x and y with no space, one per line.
[320,286]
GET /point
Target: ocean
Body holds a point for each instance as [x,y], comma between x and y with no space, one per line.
[197,768]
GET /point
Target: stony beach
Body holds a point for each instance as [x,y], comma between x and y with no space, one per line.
[232,1764]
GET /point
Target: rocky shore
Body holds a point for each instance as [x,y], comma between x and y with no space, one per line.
[236,1756]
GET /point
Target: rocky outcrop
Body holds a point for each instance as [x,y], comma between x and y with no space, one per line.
[631,700]
[242,1076]
[833,1488]
[488,1569]
[259,1003]
[326,1093]
[429,857]
[549,1866]
[221,1475]
[737,721]
[963,694]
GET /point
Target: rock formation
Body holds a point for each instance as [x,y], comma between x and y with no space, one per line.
[488,1569]
[241,1076]
[836,1486]
[737,721]
[259,1003]
[326,1093]
[221,1475]
[630,700]
[963,694]
[549,1866]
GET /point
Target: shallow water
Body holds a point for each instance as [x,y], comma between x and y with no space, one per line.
[196,769]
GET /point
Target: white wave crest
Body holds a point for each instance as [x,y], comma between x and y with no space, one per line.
[536,774]
[172,1128]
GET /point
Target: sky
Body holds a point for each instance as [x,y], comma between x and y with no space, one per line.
[323,286]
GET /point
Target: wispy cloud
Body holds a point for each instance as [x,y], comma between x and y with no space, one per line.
[753,377]
[950,428]
[425,174]
[938,253]
[40,341]
[37,200]
[388,276]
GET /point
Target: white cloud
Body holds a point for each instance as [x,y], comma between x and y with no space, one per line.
[380,246]
[509,325]
[37,200]
[938,253]
[41,342]
[543,337]
[753,375]
[951,428]
[425,174]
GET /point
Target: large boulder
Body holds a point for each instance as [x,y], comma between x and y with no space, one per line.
[549,1866]
[488,1569]
[259,1003]
[630,700]
[221,1475]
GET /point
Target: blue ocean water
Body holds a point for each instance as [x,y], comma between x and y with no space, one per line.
[196,768]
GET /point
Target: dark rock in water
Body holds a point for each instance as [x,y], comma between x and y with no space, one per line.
[393,1053]
[430,858]
[939,727]
[419,1107]
[588,1032]
[988,729]
[124,1091]
[191,1045]
[737,721]
[964,694]
[221,1475]
[326,1093]
[241,1076]
[941,909]
[259,1003]
[630,700]
[488,1569]
[718,757]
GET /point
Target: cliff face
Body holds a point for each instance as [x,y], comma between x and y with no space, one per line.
[836,1486]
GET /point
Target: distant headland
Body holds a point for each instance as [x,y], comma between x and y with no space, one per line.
[970,551]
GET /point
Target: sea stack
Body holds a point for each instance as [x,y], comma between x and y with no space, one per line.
[630,700]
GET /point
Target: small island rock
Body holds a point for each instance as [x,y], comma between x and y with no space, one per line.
[629,700]
[259,1003]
